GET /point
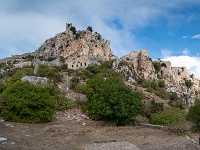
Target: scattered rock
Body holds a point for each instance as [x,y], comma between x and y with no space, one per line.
[3,139]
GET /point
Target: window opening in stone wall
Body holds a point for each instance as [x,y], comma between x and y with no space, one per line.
[72,66]
[163,65]
[81,64]
[85,64]
[77,65]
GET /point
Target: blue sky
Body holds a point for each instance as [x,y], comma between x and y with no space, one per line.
[170,29]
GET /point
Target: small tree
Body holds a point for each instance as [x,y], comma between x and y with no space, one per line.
[194,113]
[73,29]
[89,28]
[24,102]
[157,66]
[111,101]
[170,116]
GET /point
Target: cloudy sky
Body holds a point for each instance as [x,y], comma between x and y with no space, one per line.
[169,29]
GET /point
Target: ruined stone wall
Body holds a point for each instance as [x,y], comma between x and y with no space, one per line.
[75,50]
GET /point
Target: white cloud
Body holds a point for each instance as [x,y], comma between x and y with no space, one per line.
[185,51]
[196,36]
[25,25]
[191,63]
[185,37]
[165,53]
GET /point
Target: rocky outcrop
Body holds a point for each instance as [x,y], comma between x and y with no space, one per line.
[74,49]
[177,79]
[35,80]
[136,65]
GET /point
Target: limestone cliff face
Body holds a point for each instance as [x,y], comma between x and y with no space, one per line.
[135,65]
[76,49]
[175,79]
[139,64]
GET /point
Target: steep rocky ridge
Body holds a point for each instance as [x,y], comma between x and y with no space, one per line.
[177,79]
[74,49]
[78,49]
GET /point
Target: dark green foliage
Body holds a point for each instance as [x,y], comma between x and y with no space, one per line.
[161,84]
[2,87]
[78,34]
[156,107]
[99,37]
[188,83]
[104,67]
[106,64]
[19,74]
[109,99]
[73,29]
[194,113]
[81,88]
[89,28]
[50,58]
[157,66]
[62,101]
[95,69]
[74,82]
[141,81]
[123,63]
[176,101]
[2,65]
[23,102]
[62,59]
[52,73]
[29,58]
[170,116]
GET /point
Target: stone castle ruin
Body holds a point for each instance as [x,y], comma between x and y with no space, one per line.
[79,49]
[76,49]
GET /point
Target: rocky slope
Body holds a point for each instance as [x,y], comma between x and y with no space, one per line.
[78,49]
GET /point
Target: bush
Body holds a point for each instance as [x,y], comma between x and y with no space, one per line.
[89,28]
[74,82]
[194,113]
[23,102]
[156,107]
[170,116]
[157,66]
[112,101]
[188,83]
[2,87]
[62,101]
[52,73]
[81,88]
[19,74]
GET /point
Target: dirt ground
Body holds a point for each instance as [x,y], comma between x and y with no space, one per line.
[72,130]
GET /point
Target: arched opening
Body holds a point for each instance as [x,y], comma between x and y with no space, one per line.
[163,65]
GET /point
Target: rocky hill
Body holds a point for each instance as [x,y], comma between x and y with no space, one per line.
[79,49]
[74,49]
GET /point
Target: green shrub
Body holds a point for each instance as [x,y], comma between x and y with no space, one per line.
[89,28]
[156,107]
[2,86]
[169,116]
[188,83]
[161,84]
[19,74]
[74,82]
[81,88]
[157,66]
[62,101]
[23,102]
[194,113]
[111,101]
[73,29]
[52,73]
